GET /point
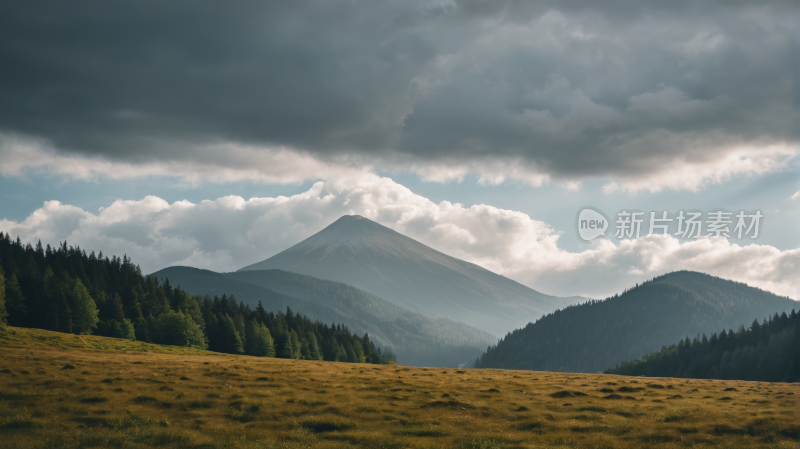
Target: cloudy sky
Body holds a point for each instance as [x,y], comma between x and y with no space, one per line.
[216,134]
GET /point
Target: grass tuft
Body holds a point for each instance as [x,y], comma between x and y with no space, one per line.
[452,404]
[531,425]
[6,396]
[18,422]
[562,394]
[145,400]
[592,408]
[159,438]
[198,405]
[327,425]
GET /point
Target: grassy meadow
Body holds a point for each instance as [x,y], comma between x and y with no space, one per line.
[60,390]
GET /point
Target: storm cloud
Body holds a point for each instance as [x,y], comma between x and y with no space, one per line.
[648,94]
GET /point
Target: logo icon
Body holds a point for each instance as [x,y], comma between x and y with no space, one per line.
[591,224]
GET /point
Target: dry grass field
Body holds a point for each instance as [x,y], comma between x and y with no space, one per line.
[61,390]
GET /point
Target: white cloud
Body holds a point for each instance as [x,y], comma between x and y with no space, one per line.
[231,232]
[796,195]
[710,163]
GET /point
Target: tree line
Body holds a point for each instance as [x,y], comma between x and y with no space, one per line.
[767,351]
[64,289]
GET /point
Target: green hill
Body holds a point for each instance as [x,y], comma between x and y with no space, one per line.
[766,351]
[68,291]
[600,334]
[416,339]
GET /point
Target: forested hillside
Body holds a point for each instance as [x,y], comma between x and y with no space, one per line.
[66,290]
[600,334]
[767,351]
[415,338]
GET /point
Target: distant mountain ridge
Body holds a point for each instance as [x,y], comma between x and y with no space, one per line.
[600,334]
[416,339]
[374,258]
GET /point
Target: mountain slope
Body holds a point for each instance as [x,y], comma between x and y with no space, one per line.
[415,338]
[372,257]
[764,351]
[600,334]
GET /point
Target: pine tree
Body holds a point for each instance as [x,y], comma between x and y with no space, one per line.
[212,331]
[84,316]
[288,347]
[313,346]
[230,341]
[15,301]
[3,313]
[251,337]
[49,301]
[349,352]
[269,341]
[261,314]
[63,321]
[117,311]
[39,253]
[359,356]
[305,349]
[130,300]
[367,345]
[259,339]
[239,324]
[296,345]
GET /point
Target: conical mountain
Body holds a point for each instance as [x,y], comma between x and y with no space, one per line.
[359,252]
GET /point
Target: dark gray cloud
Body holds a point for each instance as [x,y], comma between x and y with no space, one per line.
[574,88]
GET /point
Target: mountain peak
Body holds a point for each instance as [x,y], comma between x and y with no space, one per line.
[355,223]
[354,231]
[360,252]
[352,217]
